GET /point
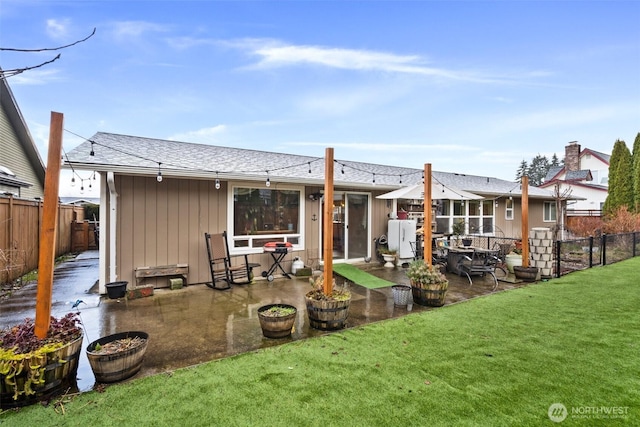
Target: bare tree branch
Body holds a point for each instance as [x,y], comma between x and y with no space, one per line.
[9,73]
[50,48]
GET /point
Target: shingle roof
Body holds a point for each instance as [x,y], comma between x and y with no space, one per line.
[144,156]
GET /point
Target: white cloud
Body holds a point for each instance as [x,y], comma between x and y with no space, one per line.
[57,29]
[128,30]
[394,147]
[34,77]
[275,54]
[204,136]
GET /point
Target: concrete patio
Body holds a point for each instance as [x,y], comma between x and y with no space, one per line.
[197,324]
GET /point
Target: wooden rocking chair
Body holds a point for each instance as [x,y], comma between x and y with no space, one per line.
[220,264]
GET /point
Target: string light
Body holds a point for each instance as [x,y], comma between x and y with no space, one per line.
[400,179]
[268,183]
[342,169]
[309,167]
[374,178]
[92,153]
[73,181]
[159,177]
[217,182]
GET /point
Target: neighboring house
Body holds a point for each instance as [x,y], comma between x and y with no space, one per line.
[21,168]
[585,176]
[159,197]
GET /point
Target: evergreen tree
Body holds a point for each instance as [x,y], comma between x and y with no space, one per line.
[620,179]
[554,160]
[538,169]
[522,170]
[636,174]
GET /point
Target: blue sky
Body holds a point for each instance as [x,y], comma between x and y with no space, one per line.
[469,86]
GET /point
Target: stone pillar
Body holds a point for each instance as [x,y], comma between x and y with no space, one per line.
[541,253]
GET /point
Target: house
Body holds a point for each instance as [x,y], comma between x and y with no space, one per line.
[21,168]
[585,176]
[159,197]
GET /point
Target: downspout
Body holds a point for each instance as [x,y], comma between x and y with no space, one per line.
[113,205]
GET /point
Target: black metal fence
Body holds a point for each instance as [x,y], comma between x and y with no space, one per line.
[580,254]
[577,254]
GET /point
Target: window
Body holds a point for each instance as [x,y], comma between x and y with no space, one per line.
[262,215]
[549,212]
[477,216]
[508,209]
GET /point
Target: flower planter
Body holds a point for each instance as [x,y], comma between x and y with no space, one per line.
[389,259]
[401,294]
[327,315]
[512,260]
[276,326]
[41,377]
[116,366]
[116,290]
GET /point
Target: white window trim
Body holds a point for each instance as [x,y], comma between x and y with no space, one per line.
[508,211]
[230,216]
[544,210]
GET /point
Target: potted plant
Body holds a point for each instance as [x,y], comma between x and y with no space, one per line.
[457,229]
[388,255]
[327,312]
[428,285]
[33,369]
[276,320]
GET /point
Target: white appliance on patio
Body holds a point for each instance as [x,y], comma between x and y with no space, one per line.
[401,235]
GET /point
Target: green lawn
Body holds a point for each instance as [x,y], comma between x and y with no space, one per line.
[496,360]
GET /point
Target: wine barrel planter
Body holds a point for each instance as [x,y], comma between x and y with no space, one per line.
[276,326]
[327,315]
[528,274]
[120,365]
[430,297]
[401,294]
[59,374]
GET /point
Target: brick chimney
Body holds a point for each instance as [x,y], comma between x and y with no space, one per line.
[572,156]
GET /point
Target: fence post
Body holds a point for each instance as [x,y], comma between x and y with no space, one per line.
[558,243]
[603,244]
[590,251]
[633,244]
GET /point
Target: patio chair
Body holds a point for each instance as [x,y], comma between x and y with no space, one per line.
[221,265]
[479,263]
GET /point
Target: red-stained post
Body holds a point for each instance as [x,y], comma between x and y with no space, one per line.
[328,221]
[48,230]
[525,221]
[427,214]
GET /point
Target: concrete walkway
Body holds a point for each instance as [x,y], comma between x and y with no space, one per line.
[197,324]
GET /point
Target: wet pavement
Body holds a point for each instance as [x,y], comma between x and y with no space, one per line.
[197,324]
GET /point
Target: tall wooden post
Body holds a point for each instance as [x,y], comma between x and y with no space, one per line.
[328,222]
[427,214]
[525,221]
[48,231]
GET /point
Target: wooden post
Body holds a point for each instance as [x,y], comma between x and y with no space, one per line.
[525,221]
[328,222]
[46,256]
[427,214]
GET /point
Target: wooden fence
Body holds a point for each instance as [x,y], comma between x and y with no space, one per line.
[20,221]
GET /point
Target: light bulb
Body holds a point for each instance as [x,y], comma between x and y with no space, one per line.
[159,177]
[73,181]
[268,183]
[217,184]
